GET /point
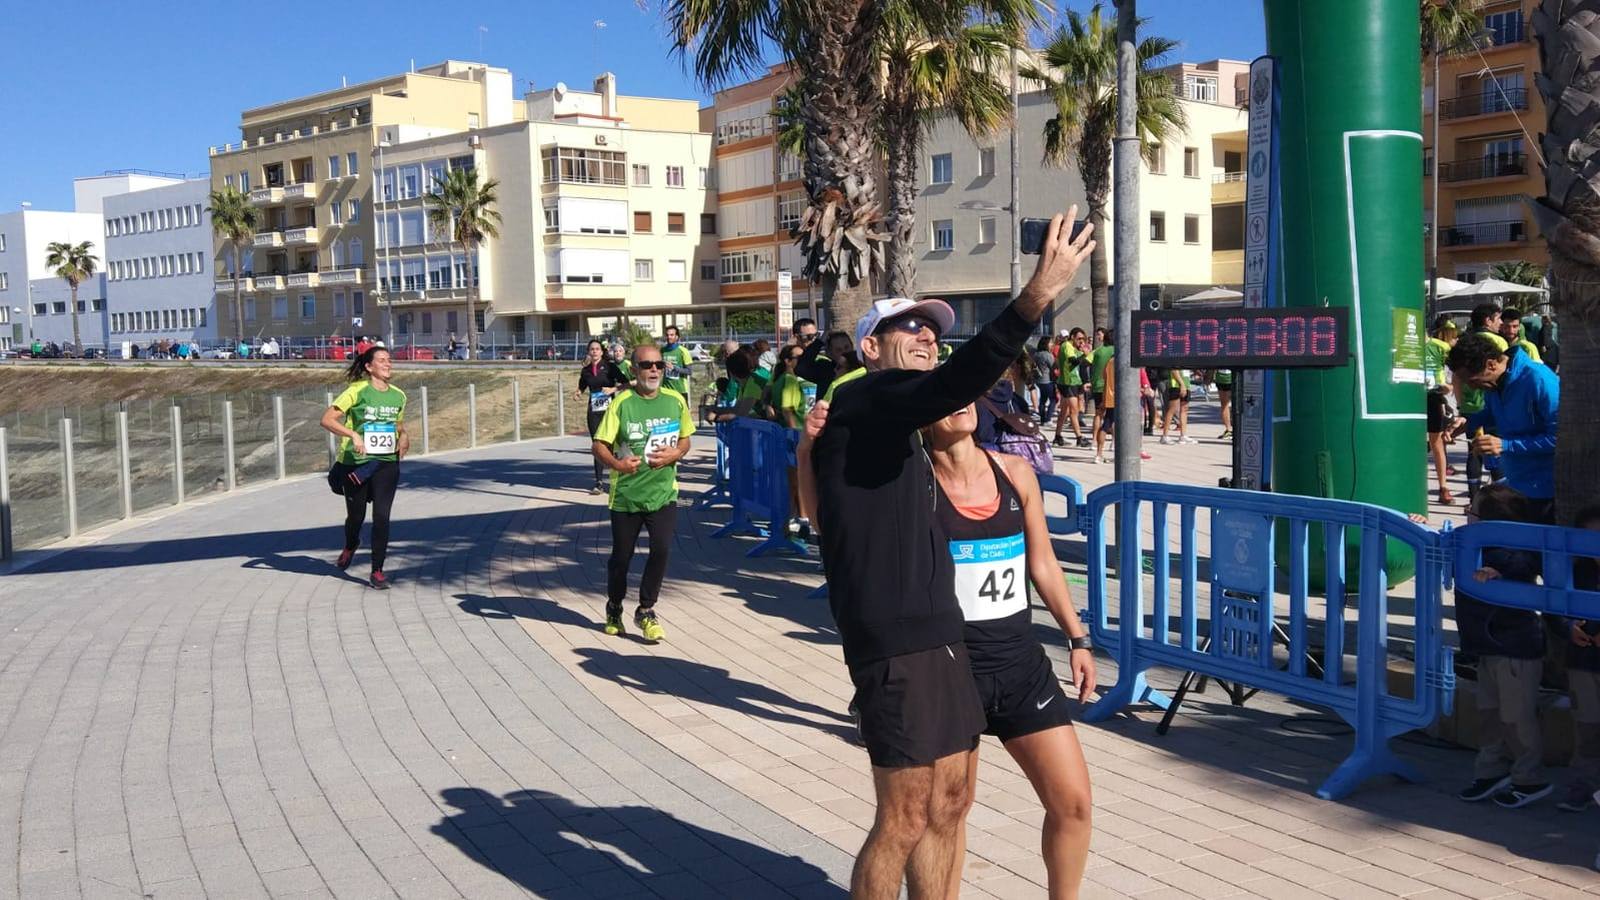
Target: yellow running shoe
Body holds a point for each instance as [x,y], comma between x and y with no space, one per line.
[649,628]
[614,624]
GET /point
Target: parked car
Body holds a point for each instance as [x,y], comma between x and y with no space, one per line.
[699,352]
[332,348]
[413,353]
[216,353]
[94,353]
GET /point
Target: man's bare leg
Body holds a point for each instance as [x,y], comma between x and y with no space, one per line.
[904,796]
[933,861]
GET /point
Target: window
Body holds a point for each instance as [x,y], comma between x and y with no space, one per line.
[675,176]
[280,308]
[244,182]
[747,265]
[5,283]
[462,163]
[1200,87]
[227,180]
[985,162]
[478,317]
[708,177]
[427,323]
[552,217]
[578,166]
[641,175]
[350,163]
[439,273]
[677,270]
[675,223]
[790,207]
[358,303]
[40,309]
[452,321]
[790,167]
[644,270]
[308,306]
[472,120]
[1155,156]
[708,223]
[410,182]
[333,166]
[98,304]
[708,270]
[1191,229]
[338,305]
[435,172]
[986,230]
[413,274]
[641,222]
[1158,226]
[944,234]
[1191,162]
[942,169]
[59,307]
[1506,27]
[355,211]
[356,257]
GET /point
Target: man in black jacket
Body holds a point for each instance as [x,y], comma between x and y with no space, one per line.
[890,574]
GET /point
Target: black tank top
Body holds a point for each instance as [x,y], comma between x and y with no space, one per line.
[991,566]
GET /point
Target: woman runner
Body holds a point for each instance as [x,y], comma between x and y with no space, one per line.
[598,382]
[370,418]
[990,509]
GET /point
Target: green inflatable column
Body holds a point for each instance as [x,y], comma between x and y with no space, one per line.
[1350,194]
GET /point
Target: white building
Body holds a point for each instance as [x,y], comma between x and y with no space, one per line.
[26,282]
[157,261]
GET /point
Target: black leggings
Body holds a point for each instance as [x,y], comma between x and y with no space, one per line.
[625,528]
[594,425]
[379,490]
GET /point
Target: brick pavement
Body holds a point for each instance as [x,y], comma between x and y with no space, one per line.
[203,706]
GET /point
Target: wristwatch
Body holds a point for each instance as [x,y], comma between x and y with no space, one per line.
[1080,643]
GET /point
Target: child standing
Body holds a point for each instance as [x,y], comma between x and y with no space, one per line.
[1583,684]
[1509,644]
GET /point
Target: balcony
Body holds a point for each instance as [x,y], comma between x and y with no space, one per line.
[1493,100]
[269,239]
[225,284]
[301,280]
[341,276]
[1227,187]
[744,129]
[268,282]
[266,196]
[1504,166]
[1484,233]
[303,235]
[303,191]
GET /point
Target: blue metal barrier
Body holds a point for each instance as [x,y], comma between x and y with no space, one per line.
[1558,549]
[1244,623]
[1072,492]
[719,494]
[760,455]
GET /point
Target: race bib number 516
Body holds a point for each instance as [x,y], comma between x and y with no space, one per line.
[991,577]
[663,436]
[378,439]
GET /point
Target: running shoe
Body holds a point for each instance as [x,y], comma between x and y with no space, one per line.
[1226,433]
[1059,442]
[1578,799]
[1084,442]
[1520,795]
[597,489]
[649,628]
[1164,440]
[1187,440]
[1144,455]
[378,581]
[345,556]
[1099,460]
[614,624]
[1483,789]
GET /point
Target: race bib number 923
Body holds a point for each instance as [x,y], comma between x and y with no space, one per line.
[378,439]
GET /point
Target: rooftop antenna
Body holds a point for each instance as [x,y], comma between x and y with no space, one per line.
[344,82]
[413,69]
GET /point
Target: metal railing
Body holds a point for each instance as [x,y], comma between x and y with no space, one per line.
[1498,166]
[1491,100]
[1507,232]
[1227,177]
[65,470]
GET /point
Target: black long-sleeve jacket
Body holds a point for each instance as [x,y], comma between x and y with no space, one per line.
[891,581]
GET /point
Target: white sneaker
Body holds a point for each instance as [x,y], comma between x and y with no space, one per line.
[1098,460]
[1164,440]
[1188,440]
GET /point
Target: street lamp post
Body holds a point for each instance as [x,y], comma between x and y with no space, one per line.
[1125,202]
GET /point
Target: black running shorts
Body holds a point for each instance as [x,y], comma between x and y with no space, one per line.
[1437,410]
[1024,698]
[918,707]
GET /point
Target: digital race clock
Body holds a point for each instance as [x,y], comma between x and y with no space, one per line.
[1271,338]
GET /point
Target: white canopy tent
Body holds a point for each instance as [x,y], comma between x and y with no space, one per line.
[1490,287]
[1212,296]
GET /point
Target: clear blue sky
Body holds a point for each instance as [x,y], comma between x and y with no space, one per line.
[151,87]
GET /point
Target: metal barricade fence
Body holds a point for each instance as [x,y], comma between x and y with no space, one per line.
[1558,548]
[720,492]
[1243,626]
[759,457]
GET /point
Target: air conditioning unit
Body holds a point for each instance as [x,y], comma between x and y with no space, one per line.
[475,141]
[600,139]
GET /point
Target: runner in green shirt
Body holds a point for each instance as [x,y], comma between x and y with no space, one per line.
[1102,355]
[1069,359]
[619,358]
[679,362]
[644,433]
[792,396]
[369,418]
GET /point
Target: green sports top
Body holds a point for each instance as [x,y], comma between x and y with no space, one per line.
[374,415]
[635,425]
[794,394]
[1097,363]
[677,358]
[1067,358]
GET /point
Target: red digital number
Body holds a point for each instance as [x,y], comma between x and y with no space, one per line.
[1264,337]
[1206,342]
[1236,337]
[1292,336]
[1150,343]
[1178,337]
[1324,336]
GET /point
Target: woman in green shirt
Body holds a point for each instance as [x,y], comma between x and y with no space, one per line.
[369,417]
[1177,407]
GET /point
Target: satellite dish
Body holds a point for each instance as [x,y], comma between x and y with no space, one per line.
[561,89]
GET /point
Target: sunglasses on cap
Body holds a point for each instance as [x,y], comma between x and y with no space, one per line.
[908,325]
[652,364]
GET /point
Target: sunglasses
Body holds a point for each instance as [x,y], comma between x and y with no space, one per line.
[909,325]
[652,364]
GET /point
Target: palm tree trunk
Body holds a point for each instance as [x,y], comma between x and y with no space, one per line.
[1094,162]
[901,133]
[1578,444]
[472,312]
[238,302]
[1099,272]
[77,344]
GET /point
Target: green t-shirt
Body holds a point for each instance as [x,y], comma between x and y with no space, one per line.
[637,426]
[625,366]
[1097,364]
[1067,358]
[376,416]
[1223,378]
[1434,373]
[796,395]
[677,358]
[752,389]
[1530,349]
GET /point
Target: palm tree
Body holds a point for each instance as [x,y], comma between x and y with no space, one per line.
[235,221]
[1569,217]
[462,209]
[1518,271]
[1079,73]
[1448,24]
[73,264]
[788,124]
[832,46]
[937,68]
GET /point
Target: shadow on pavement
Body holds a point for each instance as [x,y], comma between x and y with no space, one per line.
[543,842]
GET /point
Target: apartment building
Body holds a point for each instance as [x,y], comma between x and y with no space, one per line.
[1486,161]
[760,196]
[1191,234]
[307,164]
[158,262]
[28,287]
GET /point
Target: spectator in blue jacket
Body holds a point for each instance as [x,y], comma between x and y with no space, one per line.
[1520,401]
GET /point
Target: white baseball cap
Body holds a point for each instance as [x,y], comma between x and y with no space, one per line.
[935,309]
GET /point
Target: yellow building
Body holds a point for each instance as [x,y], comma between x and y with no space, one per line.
[1489,116]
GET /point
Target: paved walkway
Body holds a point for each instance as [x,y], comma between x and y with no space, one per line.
[199,704]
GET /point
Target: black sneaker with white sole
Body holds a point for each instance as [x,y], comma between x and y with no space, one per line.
[1484,788]
[1520,795]
[1579,798]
